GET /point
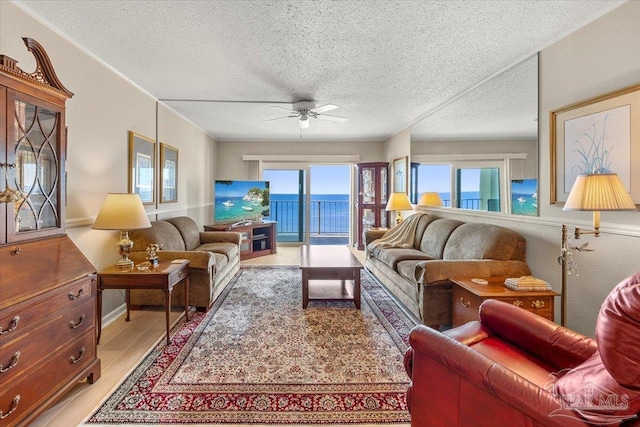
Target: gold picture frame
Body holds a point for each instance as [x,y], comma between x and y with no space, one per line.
[168,173]
[599,134]
[400,174]
[142,158]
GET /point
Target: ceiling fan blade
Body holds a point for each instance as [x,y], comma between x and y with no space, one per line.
[332,118]
[277,118]
[304,124]
[323,108]
[282,108]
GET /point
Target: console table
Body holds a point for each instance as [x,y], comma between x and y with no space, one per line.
[258,237]
[467,297]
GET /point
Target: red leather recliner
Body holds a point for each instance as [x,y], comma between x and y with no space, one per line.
[514,368]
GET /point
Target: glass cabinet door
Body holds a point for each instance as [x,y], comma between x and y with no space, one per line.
[372,197]
[34,146]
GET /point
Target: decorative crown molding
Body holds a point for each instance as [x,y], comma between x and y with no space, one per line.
[44,74]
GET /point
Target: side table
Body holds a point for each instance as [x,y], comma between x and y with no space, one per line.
[163,277]
[468,295]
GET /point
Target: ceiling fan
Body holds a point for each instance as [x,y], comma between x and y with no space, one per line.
[304,110]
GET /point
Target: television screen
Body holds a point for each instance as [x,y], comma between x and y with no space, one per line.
[241,200]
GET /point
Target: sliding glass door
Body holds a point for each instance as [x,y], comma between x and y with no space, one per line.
[311,203]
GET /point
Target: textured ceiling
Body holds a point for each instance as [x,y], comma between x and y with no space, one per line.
[385,64]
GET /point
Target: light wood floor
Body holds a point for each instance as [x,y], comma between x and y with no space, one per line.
[124,344]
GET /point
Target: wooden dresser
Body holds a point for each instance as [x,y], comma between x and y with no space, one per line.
[47,325]
[467,297]
[47,286]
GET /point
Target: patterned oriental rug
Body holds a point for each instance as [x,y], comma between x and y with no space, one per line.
[258,358]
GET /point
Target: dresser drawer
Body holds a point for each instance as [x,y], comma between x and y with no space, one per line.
[20,398]
[21,355]
[33,268]
[540,305]
[465,306]
[21,318]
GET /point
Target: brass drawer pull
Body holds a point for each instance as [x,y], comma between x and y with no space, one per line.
[537,304]
[16,251]
[14,406]
[465,304]
[74,325]
[74,359]
[73,297]
[12,327]
[14,362]
[518,303]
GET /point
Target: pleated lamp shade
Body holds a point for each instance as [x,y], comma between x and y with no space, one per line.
[599,192]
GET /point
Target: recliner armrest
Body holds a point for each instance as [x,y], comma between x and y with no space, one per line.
[220,236]
[437,270]
[556,345]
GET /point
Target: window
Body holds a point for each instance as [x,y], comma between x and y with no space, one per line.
[465,185]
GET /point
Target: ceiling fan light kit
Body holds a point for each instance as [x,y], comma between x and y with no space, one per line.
[304,110]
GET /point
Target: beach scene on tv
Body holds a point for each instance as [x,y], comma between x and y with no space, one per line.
[241,200]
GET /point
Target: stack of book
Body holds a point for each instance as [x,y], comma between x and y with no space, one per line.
[527,283]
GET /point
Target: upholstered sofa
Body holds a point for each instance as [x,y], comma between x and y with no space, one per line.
[416,259]
[514,368]
[214,257]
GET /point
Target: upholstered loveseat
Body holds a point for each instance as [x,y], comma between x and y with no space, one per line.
[214,257]
[514,368]
[416,259]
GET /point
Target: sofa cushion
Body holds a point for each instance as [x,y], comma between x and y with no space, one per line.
[188,230]
[221,261]
[618,331]
[161,232]
[391,256]
[229,250]
[484,241]
[423,222]
[436,235]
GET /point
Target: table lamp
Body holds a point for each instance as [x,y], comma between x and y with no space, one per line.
[398,202]
[591,192]
[123,212]
[430,199]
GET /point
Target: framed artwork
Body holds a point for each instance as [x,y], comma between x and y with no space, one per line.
[600,135]
[400,175]
[168,173]
[142,156]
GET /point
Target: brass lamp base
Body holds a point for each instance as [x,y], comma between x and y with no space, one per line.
[399,218]
[124,244]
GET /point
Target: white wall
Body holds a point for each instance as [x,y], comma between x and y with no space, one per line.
[100,114]
[231,166]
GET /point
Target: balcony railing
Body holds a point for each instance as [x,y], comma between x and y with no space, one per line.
[329,219]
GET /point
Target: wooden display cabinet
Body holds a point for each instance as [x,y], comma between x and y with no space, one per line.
[48,288]
[373,190]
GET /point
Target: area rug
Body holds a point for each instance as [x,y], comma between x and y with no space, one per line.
[258,358]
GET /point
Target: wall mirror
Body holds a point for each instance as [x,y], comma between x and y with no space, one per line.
[480,151]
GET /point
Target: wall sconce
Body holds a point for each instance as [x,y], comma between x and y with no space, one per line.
[399,202]
[123,212]
[591,192]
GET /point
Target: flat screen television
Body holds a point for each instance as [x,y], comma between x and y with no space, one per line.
[240,200]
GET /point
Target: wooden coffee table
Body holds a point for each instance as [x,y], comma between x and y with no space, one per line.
[329,273]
